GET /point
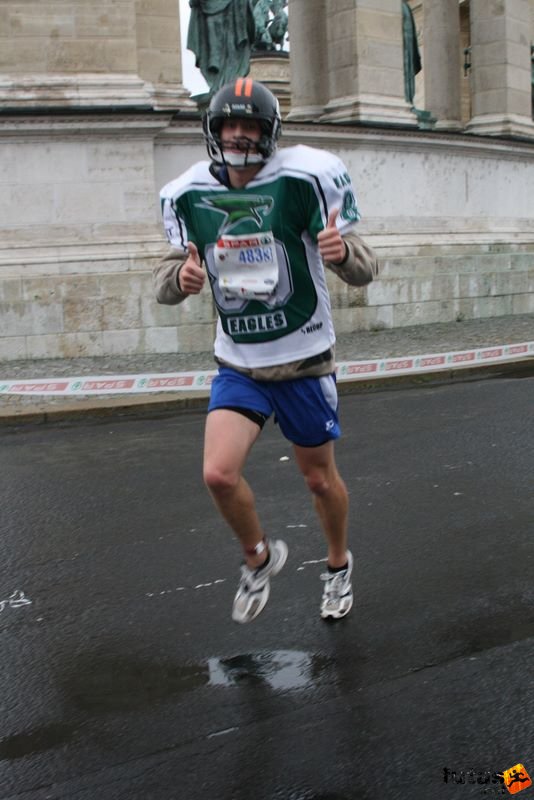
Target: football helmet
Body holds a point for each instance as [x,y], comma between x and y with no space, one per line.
[244,98]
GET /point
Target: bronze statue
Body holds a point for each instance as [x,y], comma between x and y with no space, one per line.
[270,19]
[221,34]
[412,57]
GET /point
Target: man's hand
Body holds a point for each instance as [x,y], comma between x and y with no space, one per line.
[191,276]
[331,245]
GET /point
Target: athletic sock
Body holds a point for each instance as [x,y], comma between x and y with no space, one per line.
[337,569]
[265,562]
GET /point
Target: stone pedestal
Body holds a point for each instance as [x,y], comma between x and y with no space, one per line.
[273,69]
[501,69]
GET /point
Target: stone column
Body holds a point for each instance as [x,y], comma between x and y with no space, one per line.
[309,66]
[365,61]
[532,54]
[501,68]
[80,54]
[465,39]
[441,25]
[159,56]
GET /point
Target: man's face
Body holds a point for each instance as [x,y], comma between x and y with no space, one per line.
[240,135]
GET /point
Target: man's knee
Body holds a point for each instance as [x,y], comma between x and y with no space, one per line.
[220,480]
[318,483]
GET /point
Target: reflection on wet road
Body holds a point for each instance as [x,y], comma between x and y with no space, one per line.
[280,670]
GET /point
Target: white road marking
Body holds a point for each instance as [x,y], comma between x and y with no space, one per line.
[207,585]
[16,600]
[221,733]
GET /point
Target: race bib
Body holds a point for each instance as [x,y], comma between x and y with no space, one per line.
[247,266]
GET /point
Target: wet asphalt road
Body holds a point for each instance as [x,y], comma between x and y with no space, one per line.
[125,678]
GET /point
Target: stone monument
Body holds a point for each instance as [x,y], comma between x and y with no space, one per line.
[221,34]
[271,23]
[270,61]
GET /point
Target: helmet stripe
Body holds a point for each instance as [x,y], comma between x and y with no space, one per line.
[248,87]
[239,86]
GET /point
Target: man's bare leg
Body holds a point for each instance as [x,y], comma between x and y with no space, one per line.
[229,437]
[330,497]
[331,502]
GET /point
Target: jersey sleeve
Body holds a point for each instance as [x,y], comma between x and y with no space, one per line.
[174,224]
[333,190]
[177,213]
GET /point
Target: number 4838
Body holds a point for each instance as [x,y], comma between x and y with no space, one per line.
[256,255]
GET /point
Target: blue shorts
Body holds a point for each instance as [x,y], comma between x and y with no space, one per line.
[305,408]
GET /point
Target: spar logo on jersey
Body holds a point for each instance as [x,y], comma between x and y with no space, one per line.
[238,208]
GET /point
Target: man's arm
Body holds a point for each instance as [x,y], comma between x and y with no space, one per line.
[178,275]
[165,278]
[360,265]
[348,256]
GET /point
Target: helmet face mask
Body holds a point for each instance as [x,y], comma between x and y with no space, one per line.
[240,151]
[248,100]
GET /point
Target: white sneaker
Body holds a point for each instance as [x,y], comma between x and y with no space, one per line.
[337,594]
[254,587]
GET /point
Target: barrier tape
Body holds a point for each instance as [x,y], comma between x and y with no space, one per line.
[201,381]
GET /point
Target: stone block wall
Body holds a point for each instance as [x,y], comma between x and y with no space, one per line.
[50,36]
[441,287]
[452,218]
[79,234]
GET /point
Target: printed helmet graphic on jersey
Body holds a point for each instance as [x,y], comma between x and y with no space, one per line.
[237,208]
[243,99]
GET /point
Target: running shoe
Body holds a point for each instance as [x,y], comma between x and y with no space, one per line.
[254,587]
[337,594]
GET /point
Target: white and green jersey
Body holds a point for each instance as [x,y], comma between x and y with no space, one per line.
[259,244]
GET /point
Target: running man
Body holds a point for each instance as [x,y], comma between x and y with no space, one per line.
[263,224]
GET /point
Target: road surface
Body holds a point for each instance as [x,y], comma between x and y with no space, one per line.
[124,678]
